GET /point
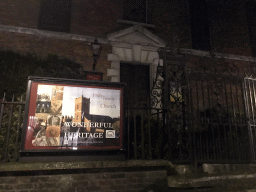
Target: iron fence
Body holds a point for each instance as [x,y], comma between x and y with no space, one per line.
[203,114]
[250,109]
[11,118]
[221,102]
[219,122]
[147,134]
[208,109]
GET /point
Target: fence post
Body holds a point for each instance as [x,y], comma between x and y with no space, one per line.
[142,134]
[8,132]
[135,137]
[149,134]
[18,127]
[2,111]
[247,111]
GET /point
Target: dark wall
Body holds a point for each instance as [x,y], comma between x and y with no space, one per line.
[97,17]
[45,181]
[227,25]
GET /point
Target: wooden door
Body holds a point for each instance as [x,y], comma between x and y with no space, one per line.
[136,78]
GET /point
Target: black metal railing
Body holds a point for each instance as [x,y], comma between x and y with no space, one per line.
[11,118]
[250,106]
[207,109]
[219,122]
[147,134]
[203,114]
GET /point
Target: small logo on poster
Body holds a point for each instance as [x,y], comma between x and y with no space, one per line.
[110,133]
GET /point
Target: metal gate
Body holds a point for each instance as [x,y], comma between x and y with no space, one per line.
[219,126]
[208,110]
[170,94]
[250,106]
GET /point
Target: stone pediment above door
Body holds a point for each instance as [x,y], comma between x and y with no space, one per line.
[133,45]
[137,35]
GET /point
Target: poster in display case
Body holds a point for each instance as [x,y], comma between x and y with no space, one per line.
[68,115]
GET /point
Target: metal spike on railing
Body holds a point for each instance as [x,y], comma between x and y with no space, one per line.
[4,97]
[13,98]
[2,111]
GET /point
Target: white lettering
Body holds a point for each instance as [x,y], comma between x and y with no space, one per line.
[75,135]
[80,124]
[107,106]
[88,124]
[67,124]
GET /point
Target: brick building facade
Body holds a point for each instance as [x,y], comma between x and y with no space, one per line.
[66,28]
[130,32]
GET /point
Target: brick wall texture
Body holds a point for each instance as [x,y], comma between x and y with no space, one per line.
[228,22]
[77,51]
[98,18]
[101,182]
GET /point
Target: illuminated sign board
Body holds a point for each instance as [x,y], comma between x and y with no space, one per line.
[63,114]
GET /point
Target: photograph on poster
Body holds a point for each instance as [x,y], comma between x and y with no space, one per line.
[75,116]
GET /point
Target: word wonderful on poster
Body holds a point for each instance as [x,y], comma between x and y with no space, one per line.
[70,114]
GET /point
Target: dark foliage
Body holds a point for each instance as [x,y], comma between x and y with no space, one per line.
[15,69]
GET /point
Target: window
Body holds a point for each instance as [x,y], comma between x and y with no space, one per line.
[250,7]
[135,10]
[200,25]
[55,15]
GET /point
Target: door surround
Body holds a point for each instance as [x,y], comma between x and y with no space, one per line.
[134,45]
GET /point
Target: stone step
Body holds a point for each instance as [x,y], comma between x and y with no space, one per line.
[214,177]
[224,183]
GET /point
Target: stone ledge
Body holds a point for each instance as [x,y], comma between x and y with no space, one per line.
[228,168]
[208,181]
[212,175]
[50,34]
[19,166]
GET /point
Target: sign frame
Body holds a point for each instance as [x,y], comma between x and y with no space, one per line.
[113,147]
